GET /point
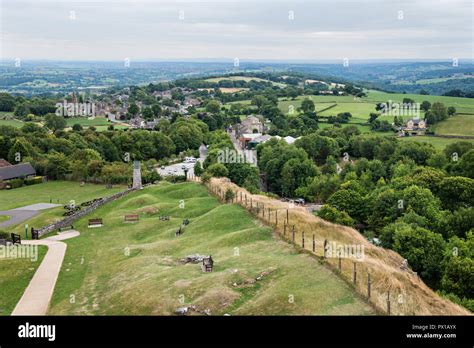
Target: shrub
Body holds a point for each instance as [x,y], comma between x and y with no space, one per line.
[338,217]
[229,195]
[205,178]
[34,181]
[15,183]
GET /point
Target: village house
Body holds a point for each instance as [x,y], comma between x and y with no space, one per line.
[15,171]
[252,124]
[415,127]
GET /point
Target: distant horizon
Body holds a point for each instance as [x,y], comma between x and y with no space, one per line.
[244,60]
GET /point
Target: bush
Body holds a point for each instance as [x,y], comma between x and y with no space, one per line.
[229,195]
[338,217]
[34,181]
[205,178]
[15,183]
[4,235]
[175,178]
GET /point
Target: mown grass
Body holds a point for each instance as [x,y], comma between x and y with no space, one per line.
[57,192]
[437,142]
[15,275]
[456,125]
[134,268]
[11,122]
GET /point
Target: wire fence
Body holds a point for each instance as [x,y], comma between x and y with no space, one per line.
[362,276]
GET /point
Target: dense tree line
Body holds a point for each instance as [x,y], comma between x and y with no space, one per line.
[408,196]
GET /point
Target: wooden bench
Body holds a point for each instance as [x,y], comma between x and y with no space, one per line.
[131,218]
[164,218]
[95,222]
[16,239]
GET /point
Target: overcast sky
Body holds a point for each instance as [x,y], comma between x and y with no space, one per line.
[259,29]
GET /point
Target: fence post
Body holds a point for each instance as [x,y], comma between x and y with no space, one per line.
[240,196]
[314,244]
[276,218]
[269,214]
[287,217]
[293,233]
[284,229]
[355,273]
[251,204]
[388,302]
[325,244]
[263,211]
[340,264]
[302,239]
[245,199]
[368,285]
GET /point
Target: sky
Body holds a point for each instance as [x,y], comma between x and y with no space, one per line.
[244,29]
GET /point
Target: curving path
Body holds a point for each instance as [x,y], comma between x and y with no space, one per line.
[36,298]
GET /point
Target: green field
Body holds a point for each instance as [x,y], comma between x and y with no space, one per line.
[15,275]
[456,125]
[86,122]
[437,142]
[58,192]
[134,269]
[243,78]
[462,105]
[11,122]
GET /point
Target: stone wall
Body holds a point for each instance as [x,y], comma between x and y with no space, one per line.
[68,221]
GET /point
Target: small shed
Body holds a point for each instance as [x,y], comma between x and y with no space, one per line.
[207,264]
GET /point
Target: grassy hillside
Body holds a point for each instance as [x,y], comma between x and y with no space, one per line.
[407,292]
[456,125]
[135,269]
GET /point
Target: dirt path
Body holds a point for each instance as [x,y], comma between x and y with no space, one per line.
[36,298]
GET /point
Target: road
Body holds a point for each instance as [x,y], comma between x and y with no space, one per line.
[24,213]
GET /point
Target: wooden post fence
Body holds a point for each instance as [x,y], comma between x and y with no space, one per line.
[388,302]
[314,244]
[302,239]
[293,233]
[287,217]
[368,285]
[340,263]
[355,274]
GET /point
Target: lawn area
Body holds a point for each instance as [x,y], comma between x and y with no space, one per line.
[134,269]
[462,105]
[86,122]
[59,192]
[15,275]
[243,78]
[456,125]
[438,143]
[11,122]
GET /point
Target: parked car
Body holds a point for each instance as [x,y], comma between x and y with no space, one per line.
[299,201]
